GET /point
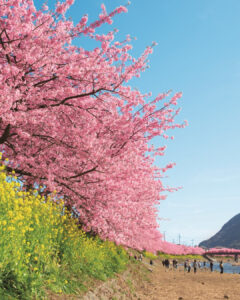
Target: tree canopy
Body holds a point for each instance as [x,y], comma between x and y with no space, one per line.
[70,120]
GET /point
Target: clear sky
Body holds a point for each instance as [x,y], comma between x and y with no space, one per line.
[198,53]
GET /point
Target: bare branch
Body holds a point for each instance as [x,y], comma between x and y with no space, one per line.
[82,173]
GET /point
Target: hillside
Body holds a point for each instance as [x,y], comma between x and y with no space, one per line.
[228,236]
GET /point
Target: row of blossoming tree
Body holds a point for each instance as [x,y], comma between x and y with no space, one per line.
[223,251]
[69,120]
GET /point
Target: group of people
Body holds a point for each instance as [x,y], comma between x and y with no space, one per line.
[140,257]
[188,265]
[166,263]
[195,265]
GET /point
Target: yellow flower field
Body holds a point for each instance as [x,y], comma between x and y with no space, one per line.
[41,245]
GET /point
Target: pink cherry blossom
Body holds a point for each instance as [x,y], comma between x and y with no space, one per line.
[70,120]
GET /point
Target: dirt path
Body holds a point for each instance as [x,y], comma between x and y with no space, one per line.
[203,285]
[140,283]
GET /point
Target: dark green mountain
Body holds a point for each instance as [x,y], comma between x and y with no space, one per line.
[228,236]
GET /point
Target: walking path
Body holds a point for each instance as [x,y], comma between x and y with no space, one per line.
[175,284]
[145,282]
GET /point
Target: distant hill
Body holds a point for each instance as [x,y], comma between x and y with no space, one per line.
[228,236]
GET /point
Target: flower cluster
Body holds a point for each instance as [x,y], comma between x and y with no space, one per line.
[41,244]
[71,121]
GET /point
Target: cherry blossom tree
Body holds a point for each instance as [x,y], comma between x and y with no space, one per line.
[70,120]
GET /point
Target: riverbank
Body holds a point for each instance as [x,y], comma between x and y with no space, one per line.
[188,286]
[145,282]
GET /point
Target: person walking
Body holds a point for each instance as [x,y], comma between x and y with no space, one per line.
[211,266]
[221,267]
[163,263]
[185,266]
[199,265]
[173,263]
[176,264]
[195,266]
[188,266]
[167,263]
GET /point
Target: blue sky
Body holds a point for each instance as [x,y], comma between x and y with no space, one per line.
[198,53]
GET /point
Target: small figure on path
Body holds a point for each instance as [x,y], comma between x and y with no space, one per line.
[199,265]
[236,258]
[185,266]
[188,267]
[151,262]
[211,266]
[221,267]
[195,266]
[176,264]
[167,263]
